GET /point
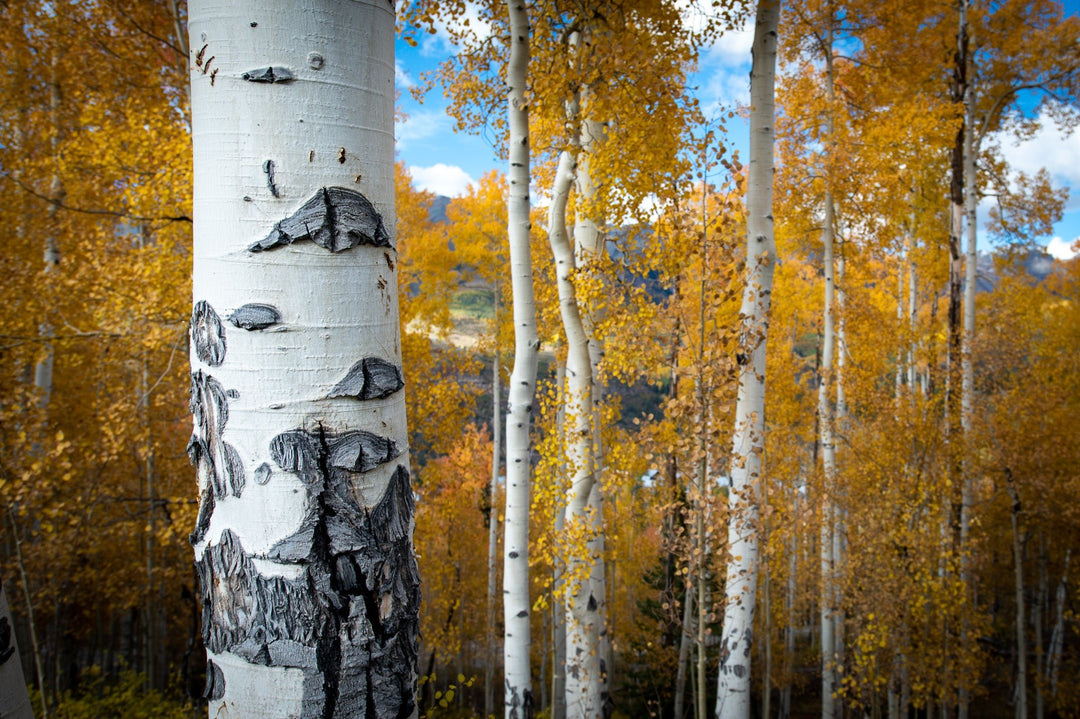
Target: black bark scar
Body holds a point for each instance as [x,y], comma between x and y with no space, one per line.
[334,218]
[370,378]
[269,75]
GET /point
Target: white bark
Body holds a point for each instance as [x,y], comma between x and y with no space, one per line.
[827,605]
[14,699]
[493,515]
[733,686]
[1018,587]
[304,536]
[1057,636]
[588,251]
[516,605]
[583,591]
[558,614]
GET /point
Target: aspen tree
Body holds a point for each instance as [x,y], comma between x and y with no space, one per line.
[303,542]
[733,686]
[516,604]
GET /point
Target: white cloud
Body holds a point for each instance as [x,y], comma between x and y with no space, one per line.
[724,70]
[449,180]
[401,78]
[1062,249]
[439,44]
[422,125]
[1051,148]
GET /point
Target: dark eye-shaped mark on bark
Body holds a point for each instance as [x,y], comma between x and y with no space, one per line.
[370,378]
[207,334]
[255,316]
[218,459]
[334,218]
[215,682]
[274,74]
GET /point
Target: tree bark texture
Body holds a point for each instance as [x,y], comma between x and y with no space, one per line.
[516,604]
[583,589]
[733,699]
[303,541]
[14,699]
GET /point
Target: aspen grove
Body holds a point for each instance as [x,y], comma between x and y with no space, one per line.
[683,409]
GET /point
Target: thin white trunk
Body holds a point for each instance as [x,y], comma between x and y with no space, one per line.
[558,613]
[826,421]
[789,631]
[589,249]
[303,541]
[912,310]
[1021,643]
[686,639]
[1057,636]
[828,498]
[35,646]
[516,604]
[967,372]
[14,699]
[733,700]
[493,518]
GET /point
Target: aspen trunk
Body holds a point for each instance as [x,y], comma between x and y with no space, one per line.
[493,519]
[1057,636]
[733,699]
[558,614]
[516,604]
[828,455]
[588,251]
[303,541]
[14,699]
[1021,643]
[685,640]
[584,591]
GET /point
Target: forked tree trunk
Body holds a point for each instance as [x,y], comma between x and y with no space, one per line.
[733,700]
[584,587]
[303,541]
[516,605]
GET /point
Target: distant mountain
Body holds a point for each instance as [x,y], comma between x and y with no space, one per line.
[437,211]
[1036,263]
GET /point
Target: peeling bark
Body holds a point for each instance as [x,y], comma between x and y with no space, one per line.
[335,218]
[207,334]
[370,378]
[273,74]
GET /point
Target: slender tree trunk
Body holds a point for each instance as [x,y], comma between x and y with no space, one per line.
[493,518]
[829,678]
[826,423]
[733,700]
[303,540]
[516,604]
[1021,642]
[583,681]
[558,613]
[1037,614]
[589,250]
[967,371]
[686,639]
[14,699]
[35,646]
[912,311]
[792,616]
[1057,636]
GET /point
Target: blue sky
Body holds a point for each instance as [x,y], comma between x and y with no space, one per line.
[445,162]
